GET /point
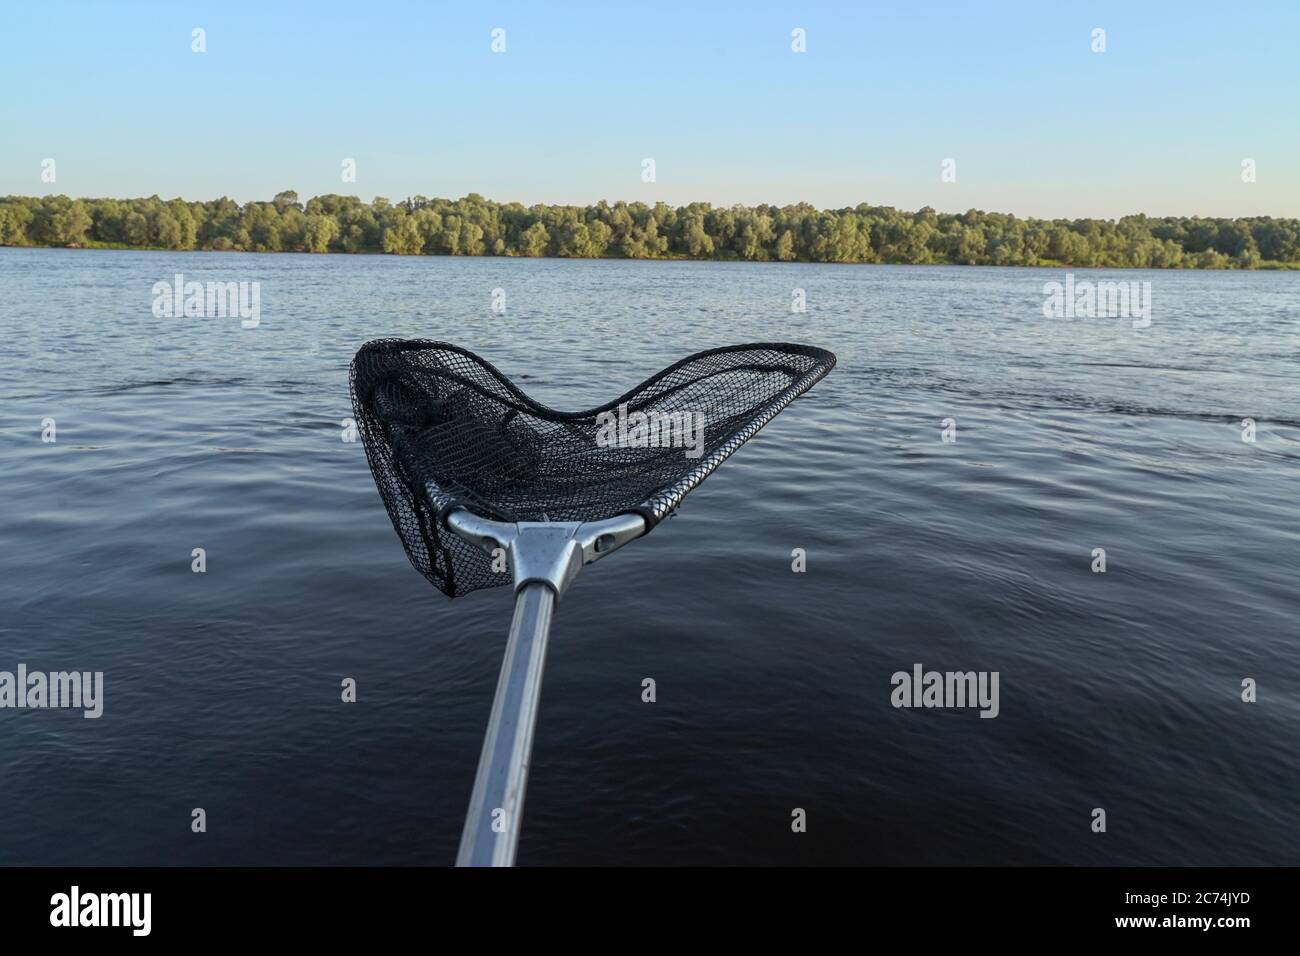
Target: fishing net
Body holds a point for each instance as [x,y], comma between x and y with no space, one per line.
[444,429]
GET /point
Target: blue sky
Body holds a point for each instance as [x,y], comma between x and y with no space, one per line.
[1038,124]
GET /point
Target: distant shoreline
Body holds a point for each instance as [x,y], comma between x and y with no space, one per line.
[1262,267]
[477,227]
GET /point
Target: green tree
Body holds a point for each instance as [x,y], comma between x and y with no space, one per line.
[404,238]
[319,232]
[473,225]
[535,240]
[785,246]
[14,220]
[71,224]
[164,230]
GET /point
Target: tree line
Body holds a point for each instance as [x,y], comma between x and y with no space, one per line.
[474,226]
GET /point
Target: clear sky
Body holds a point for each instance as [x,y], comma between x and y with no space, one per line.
[1037,122]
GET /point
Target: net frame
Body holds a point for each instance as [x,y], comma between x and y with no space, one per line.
[443,428]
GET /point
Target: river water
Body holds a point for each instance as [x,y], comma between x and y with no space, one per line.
[1120,691]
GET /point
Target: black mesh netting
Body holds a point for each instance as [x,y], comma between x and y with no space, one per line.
[443,428]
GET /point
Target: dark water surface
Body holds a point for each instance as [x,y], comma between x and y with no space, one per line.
[1119,690]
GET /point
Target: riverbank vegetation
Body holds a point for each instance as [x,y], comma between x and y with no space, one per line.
[474,226]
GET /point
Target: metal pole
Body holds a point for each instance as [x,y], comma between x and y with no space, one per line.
[545,557]
[496,806]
